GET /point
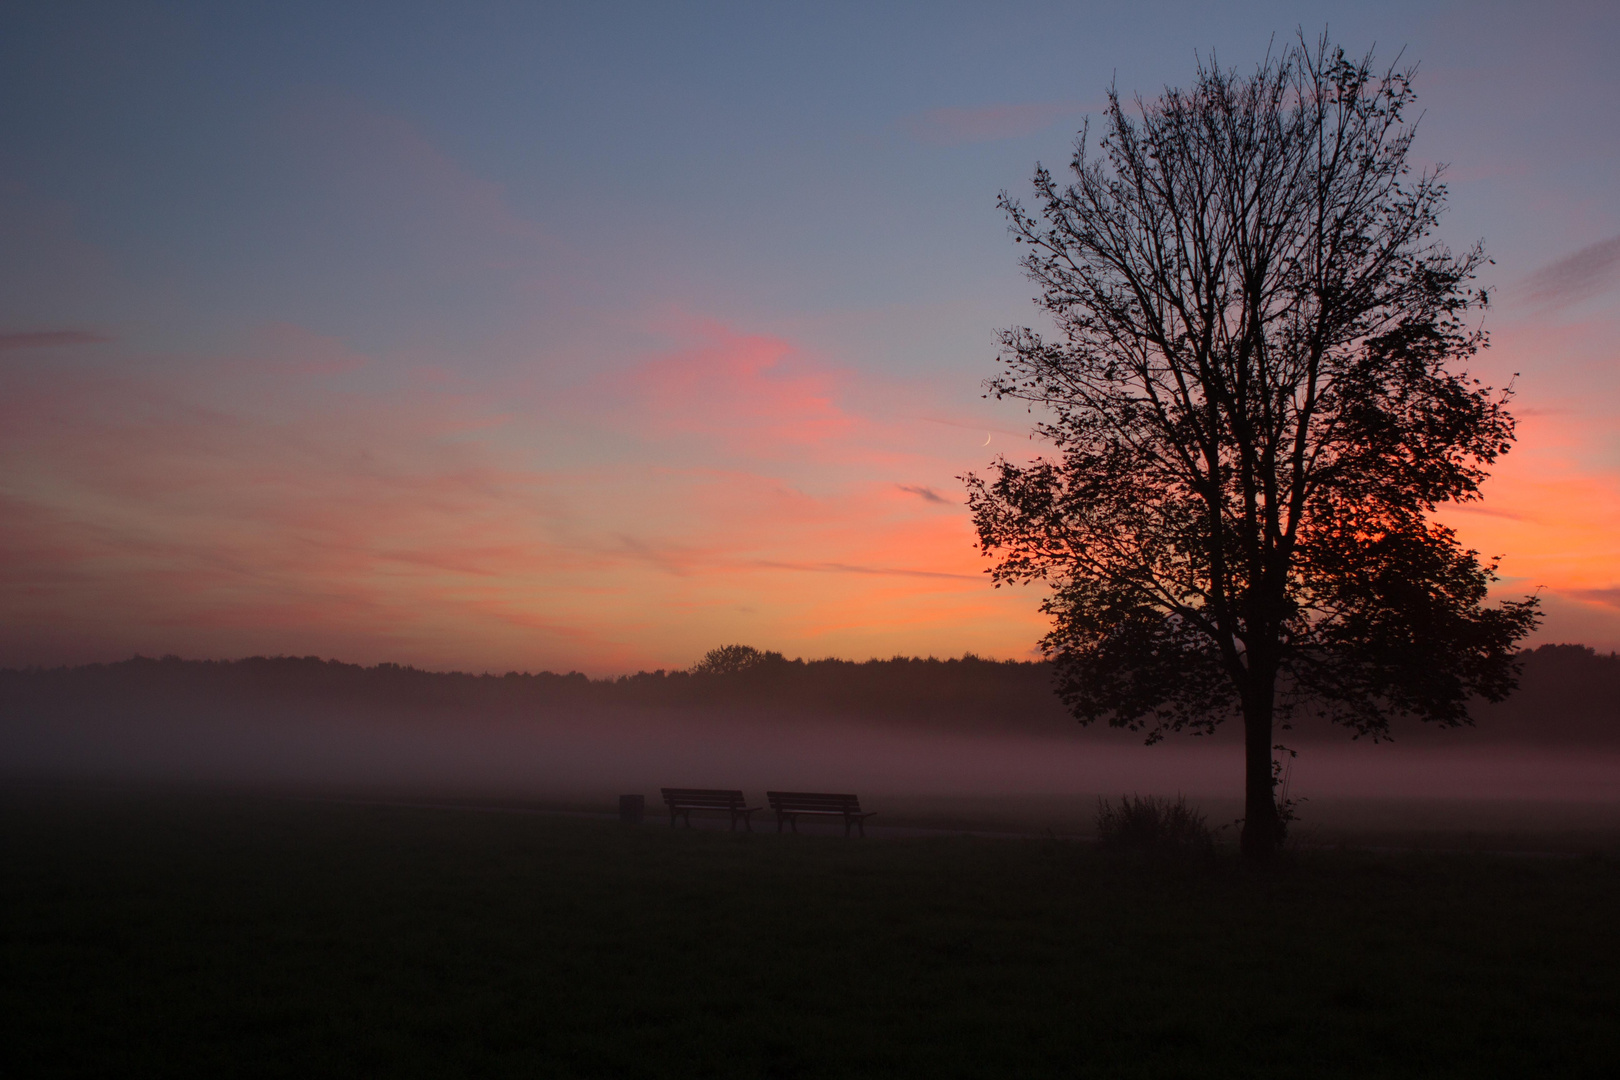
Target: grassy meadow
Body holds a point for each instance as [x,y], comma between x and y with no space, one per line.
[152,934]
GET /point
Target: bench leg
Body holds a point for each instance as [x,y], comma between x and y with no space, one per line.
[672,818]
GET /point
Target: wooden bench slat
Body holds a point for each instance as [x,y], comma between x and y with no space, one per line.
[685,800]
[790,804]
[811,797]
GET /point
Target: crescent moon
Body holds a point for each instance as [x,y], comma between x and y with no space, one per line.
[986,439]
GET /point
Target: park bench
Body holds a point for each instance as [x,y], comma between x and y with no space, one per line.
[686,800]
[789,805]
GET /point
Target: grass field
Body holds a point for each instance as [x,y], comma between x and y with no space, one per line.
[181,935]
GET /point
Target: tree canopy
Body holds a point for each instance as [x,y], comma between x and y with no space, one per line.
[730,659]
[1256,399]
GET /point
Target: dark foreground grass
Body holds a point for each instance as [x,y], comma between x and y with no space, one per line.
[196,936]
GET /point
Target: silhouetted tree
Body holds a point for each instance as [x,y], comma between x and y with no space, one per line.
[731,659]
[1256,404]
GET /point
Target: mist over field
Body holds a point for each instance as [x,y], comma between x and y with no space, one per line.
[939,730]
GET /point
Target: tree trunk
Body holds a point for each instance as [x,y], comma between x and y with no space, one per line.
[1262,826]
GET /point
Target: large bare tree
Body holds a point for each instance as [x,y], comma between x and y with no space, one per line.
[1255,402]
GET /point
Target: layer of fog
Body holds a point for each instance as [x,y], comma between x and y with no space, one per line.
[591,757]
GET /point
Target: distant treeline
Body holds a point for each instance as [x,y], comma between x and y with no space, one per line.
[994,692]
[1568,693]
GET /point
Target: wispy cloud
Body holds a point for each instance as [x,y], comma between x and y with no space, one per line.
[264,501]
[988,123]
[926,494]
[874,571]
[1609,597]
[49,339]
[1576,277]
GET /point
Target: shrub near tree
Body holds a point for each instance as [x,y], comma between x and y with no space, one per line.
[1256,401]
[1153,824]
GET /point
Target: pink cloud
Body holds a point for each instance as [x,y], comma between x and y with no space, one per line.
[750,392]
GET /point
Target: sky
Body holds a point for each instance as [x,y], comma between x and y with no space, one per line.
[593,336]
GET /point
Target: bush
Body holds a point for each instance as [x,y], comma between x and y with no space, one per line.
[1150,823]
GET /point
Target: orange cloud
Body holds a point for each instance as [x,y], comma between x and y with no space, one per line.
[1552,512]
[1552,506]
[1552,517]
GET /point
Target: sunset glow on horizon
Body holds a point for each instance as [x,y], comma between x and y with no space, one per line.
[535,342]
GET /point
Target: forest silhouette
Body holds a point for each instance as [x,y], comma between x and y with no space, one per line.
[1569,695]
